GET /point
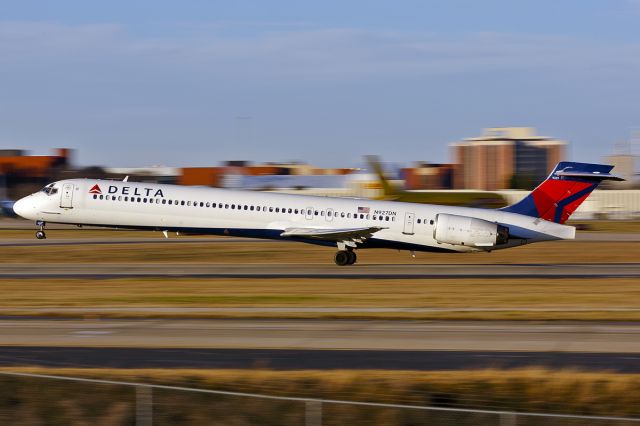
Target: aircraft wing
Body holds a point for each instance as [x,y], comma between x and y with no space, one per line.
[336,234]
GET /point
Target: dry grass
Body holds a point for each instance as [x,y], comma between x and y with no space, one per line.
[284,252]
[532,389]
[594,296]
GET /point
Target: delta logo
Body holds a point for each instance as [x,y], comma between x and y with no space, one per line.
[95,189]
[128,190]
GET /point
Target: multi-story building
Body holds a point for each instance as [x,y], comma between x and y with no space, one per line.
[505,157]
[624,165]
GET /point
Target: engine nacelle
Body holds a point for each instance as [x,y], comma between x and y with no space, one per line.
[468,231]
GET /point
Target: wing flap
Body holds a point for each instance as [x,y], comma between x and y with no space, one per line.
[340,234]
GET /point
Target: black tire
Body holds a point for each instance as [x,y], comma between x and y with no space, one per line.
[352,257]
[342,258]
[41,235]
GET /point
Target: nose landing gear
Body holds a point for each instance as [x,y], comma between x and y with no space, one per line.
[40,234]
[345,257]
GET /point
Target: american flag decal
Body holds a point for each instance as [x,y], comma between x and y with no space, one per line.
[363,210]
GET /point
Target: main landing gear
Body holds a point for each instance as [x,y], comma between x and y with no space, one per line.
[345,257]
[40,234]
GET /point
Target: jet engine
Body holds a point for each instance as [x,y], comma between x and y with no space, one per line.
[468,231]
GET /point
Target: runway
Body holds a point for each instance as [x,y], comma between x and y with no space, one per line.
[318,344]
[599,337]
[319,271]
[276,359]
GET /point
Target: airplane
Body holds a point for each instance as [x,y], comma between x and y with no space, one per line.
[483,199]
[347,224]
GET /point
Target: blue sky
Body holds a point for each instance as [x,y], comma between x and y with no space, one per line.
[197,82]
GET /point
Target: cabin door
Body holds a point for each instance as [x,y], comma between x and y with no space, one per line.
[66,196]
[330,214]
[408,223]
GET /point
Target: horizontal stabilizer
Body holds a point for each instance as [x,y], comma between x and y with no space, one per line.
[597,176]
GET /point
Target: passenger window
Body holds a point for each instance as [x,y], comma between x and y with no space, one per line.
[277,210]
[431,222]
[95,196]
[271,209]
[386,218]
[348,215]
[375,217]
[329,213]
[418,221]
[189,203]
[226,206]
[322,213]
[289,211]
[101,197]
[316,213]
[251,208]
[164,201]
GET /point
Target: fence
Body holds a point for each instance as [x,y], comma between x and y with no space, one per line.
[143,404]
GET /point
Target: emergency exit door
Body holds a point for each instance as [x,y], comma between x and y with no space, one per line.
[66,197]
[408,223]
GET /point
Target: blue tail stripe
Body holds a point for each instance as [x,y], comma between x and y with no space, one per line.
[563,203]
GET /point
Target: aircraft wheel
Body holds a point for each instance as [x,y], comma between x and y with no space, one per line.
[352,257]
[41,235]
[342,258]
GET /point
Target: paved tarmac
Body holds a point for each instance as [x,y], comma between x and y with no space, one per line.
[601,337]
[316,344]
[279,359]
[317,271]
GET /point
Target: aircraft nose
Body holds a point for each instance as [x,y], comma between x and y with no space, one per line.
[20,208]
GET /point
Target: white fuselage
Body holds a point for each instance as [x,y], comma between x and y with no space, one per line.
[263,215]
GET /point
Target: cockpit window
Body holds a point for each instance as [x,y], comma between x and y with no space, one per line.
[49,190]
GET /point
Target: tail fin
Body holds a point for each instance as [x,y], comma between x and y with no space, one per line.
[376,167]
[568,185]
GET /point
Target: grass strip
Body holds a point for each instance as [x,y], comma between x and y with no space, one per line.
[524,390]
[526,299]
